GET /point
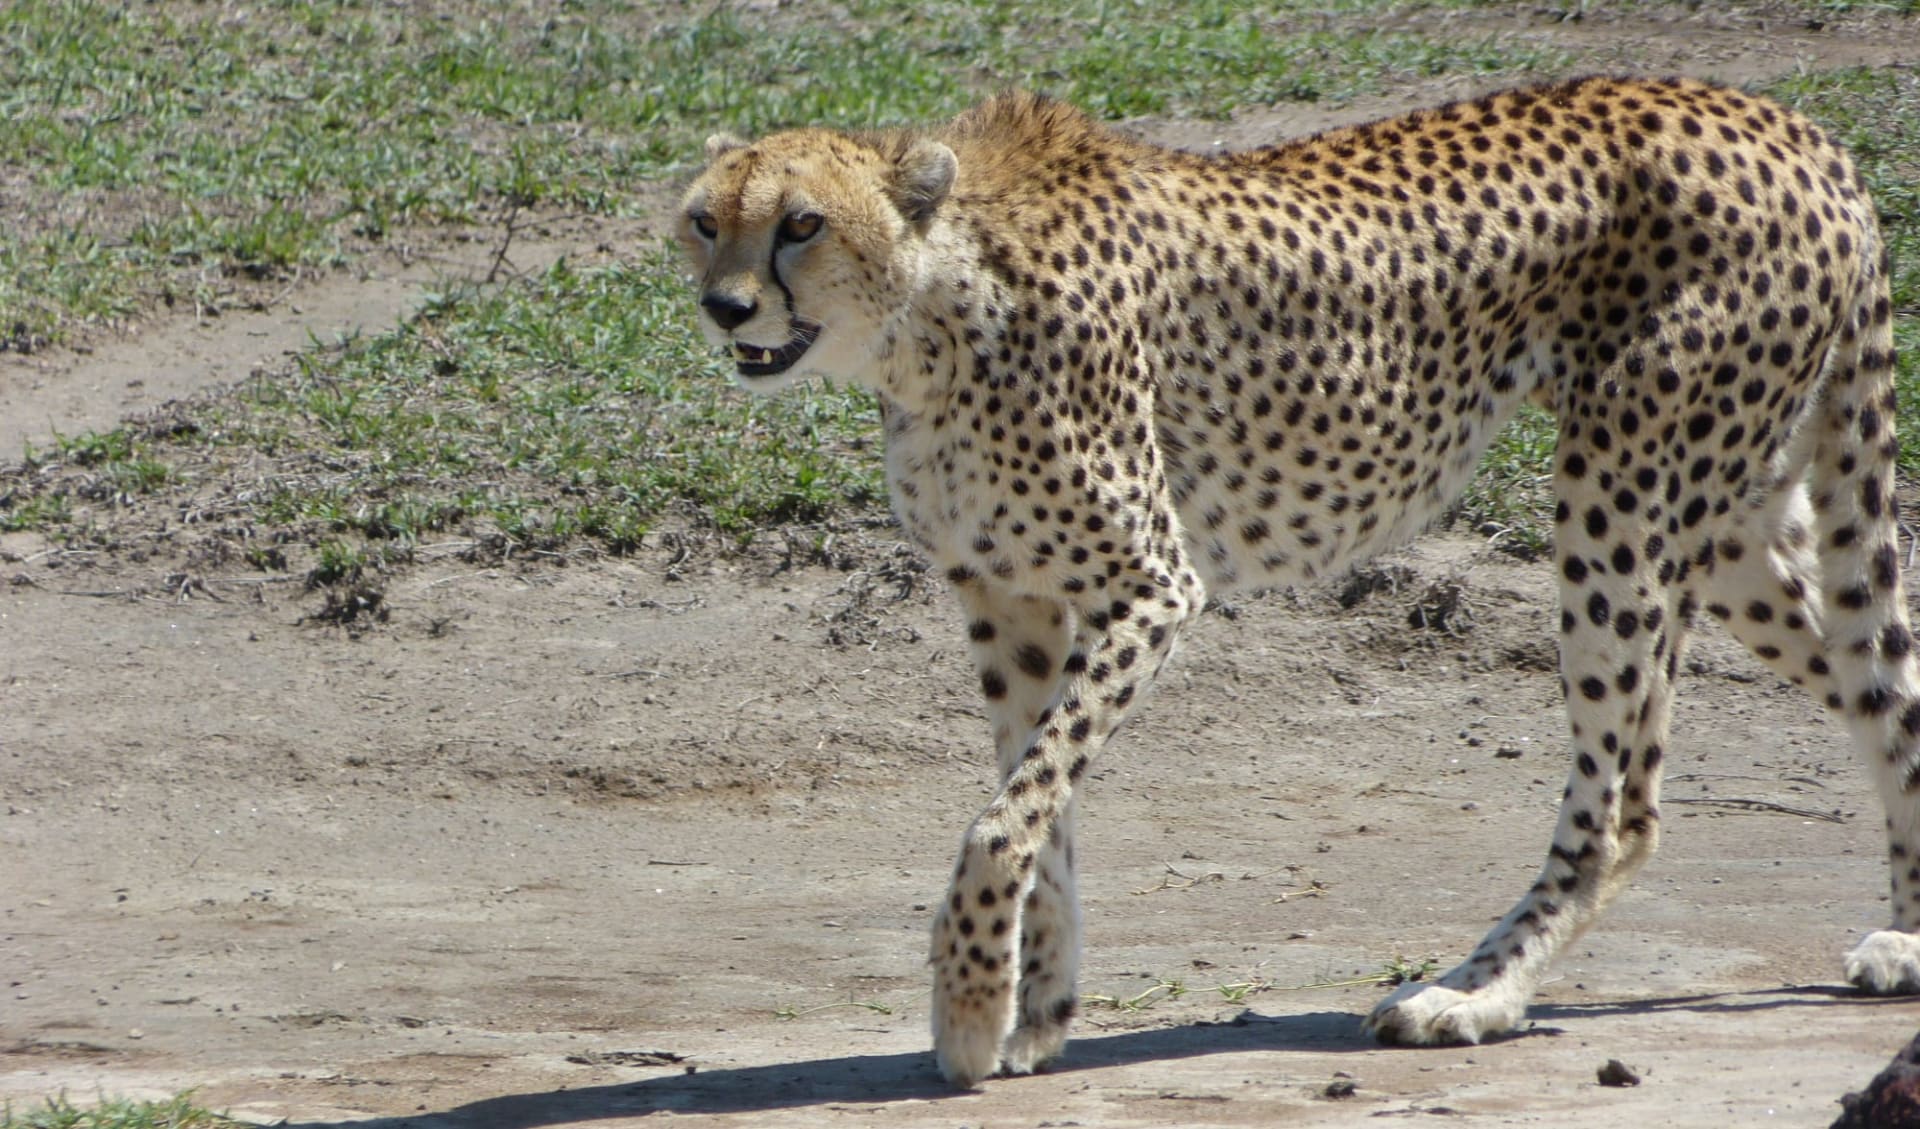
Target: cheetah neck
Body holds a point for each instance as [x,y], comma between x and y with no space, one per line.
[925,354]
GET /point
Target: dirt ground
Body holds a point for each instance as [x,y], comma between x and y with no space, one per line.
[592,841]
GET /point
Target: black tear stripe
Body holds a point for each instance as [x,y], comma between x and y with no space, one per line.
[773,272]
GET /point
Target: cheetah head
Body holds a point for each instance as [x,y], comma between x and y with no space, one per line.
[809,247]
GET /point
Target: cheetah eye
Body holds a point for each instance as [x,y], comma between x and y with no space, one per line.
[704,224]
[800,227]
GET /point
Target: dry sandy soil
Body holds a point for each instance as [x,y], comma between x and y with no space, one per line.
[616,842]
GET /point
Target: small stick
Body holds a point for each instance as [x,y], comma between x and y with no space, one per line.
[1741,804]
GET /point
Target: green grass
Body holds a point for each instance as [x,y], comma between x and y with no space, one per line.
[185,152]
[174,1113]
[180,150]
[580,407]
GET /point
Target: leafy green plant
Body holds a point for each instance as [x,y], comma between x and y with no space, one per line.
[60,1113]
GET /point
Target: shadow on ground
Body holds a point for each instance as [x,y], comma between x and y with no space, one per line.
[877,1079]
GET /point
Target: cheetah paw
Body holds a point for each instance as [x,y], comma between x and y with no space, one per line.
[1030,1048]
[1429,1014]
[1886,963]
[966,1051]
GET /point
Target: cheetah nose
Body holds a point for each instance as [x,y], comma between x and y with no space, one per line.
[727,310]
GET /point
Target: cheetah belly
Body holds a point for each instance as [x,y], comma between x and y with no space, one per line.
[1288,503]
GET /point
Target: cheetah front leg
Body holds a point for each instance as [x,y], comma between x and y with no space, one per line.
[1020,644]
[1005,942]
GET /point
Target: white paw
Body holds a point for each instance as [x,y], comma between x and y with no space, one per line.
[1030,1048]
[966,1042]
[1428,1014]
[1886,963]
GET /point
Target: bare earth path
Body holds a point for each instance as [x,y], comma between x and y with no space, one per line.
[67,393]
[594,811]
[651,841]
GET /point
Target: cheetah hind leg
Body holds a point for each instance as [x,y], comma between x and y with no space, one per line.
[1871,647]
[1887,961]
[1872,655]
[1608,827]
[1621,633]
[1765,586]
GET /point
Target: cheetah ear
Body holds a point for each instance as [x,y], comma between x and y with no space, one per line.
[722,143]
[923,177]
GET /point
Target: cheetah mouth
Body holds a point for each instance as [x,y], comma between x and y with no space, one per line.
[758,360]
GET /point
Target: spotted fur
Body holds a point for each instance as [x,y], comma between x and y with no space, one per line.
[1116,378]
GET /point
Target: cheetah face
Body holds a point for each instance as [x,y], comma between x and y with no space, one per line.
[807,247]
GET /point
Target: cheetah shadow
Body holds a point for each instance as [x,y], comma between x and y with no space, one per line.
[877,1079]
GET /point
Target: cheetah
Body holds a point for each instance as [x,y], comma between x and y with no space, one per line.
[1116,378]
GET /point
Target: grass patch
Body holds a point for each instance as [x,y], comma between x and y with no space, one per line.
[174,1113]
[581,407]
[177,151]
[1128,58]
